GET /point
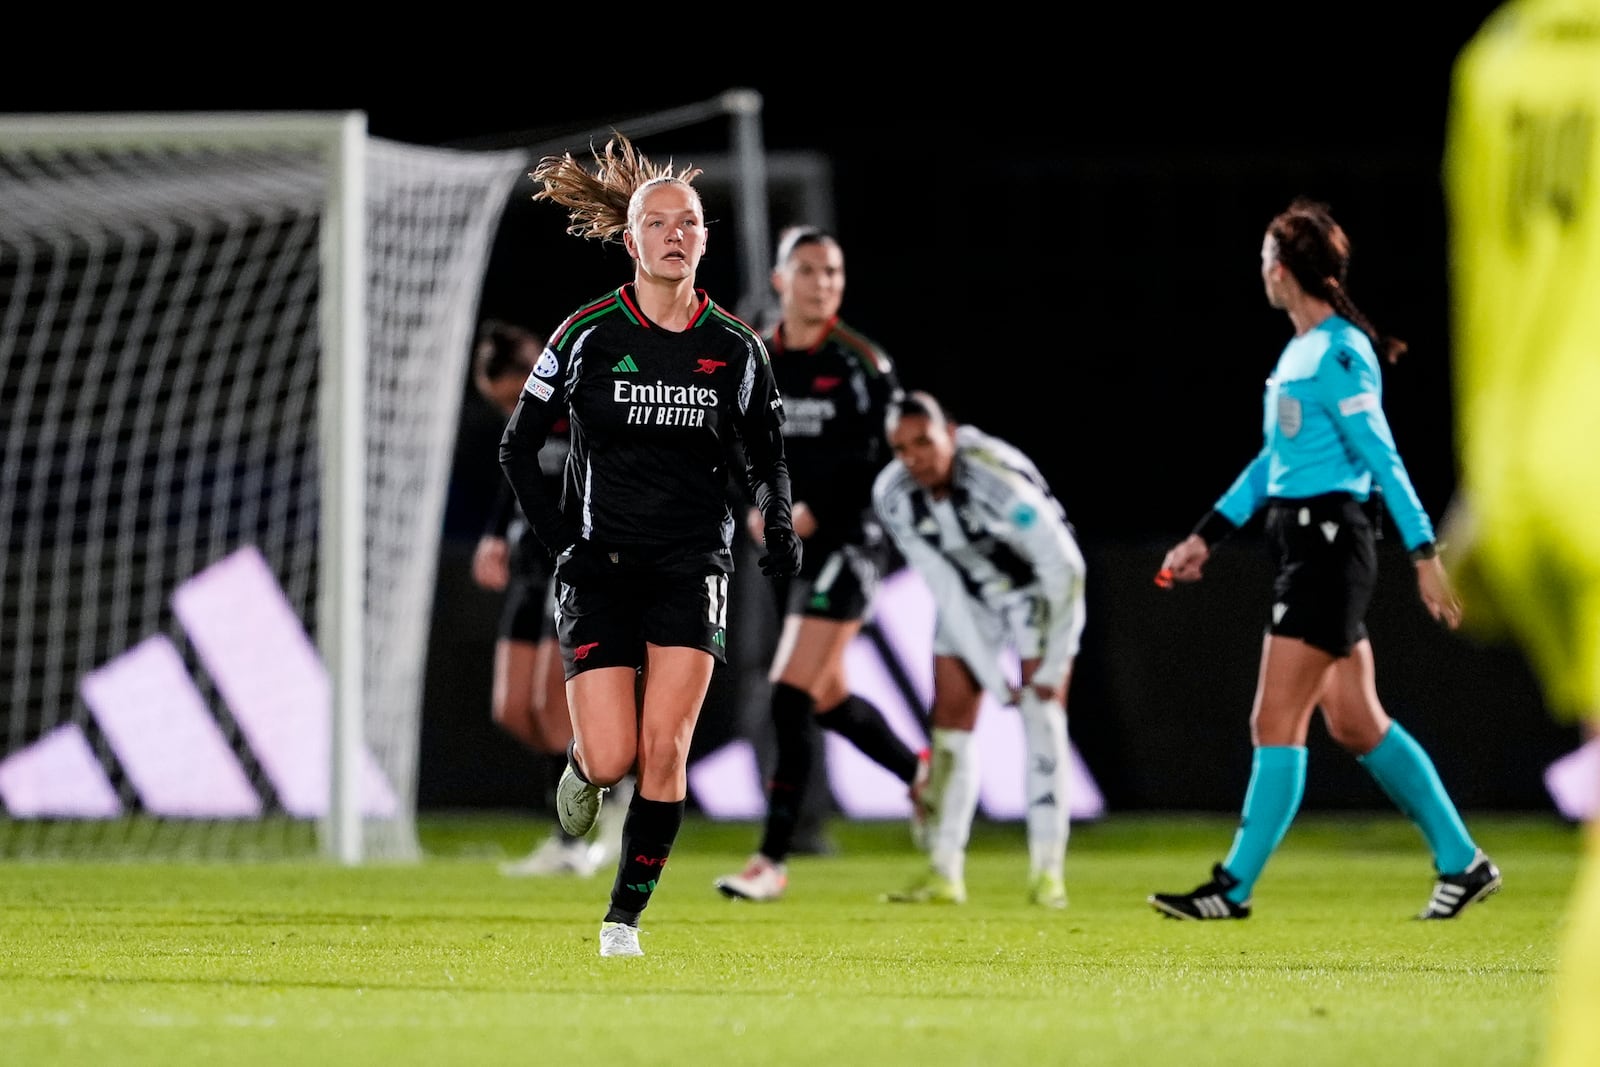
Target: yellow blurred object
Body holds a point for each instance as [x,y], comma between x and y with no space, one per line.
[1522,178]
[1522,172]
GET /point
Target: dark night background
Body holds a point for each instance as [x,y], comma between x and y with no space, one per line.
[1059,234]
[1053,225]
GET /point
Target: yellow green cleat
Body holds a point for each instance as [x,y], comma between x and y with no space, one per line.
[931,888]
[1047,891]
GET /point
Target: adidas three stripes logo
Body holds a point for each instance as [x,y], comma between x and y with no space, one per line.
[1212,907]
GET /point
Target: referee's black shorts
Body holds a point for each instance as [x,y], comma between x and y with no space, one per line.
[1327,568]
[611,602]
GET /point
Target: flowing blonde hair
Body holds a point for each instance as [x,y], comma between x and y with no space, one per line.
[604,202]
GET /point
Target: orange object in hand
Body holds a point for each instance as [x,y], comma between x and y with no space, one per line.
[1164,577]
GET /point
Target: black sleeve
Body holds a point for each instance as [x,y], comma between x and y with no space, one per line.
[505,506]
[1213,527]
[884,389]
[767,476]
[761,438]
[524,436]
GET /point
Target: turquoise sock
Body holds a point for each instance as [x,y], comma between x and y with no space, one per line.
[1405,772]
[1277,782]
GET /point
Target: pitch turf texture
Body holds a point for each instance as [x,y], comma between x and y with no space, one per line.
[447,962]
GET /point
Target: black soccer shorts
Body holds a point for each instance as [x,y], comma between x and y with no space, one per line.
[528,611]
[1327,569]
[842,587]
[611,603]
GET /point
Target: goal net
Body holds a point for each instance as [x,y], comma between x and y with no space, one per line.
[231,355]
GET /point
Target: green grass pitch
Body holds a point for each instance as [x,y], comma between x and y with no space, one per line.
[446,962]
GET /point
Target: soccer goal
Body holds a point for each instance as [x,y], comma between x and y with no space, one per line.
[231,355]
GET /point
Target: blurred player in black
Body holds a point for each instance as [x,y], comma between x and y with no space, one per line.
[661,386]
[836,386]
[529,693]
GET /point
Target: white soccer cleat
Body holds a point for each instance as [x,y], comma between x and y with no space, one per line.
[603,848]
[556,856]
[761,879]
[619,939]
[577,802]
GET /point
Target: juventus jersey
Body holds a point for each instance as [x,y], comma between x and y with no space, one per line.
[654,416]
[999,535]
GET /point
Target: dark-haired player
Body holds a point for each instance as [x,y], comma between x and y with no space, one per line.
[836,386]
[975,518]
[1327,447]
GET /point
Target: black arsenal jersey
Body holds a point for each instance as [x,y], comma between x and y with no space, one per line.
[835,396]
[654,417]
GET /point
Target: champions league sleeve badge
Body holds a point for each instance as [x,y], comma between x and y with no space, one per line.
[548,365]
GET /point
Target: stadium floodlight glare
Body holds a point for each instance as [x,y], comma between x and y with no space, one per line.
[223,332]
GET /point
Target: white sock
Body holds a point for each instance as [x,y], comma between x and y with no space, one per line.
[1044,725]
[957,803]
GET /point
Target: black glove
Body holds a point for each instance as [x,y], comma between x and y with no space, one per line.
[560,541]
[783,553]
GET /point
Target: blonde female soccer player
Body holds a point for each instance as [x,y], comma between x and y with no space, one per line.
[656,381]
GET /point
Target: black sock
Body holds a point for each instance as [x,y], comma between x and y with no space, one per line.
[817,806]
[864,726]
[786,792]
[647,836]
[572,761]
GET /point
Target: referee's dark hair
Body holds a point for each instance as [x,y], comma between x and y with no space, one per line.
[1316,250]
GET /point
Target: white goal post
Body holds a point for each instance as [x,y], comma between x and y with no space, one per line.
[231,355]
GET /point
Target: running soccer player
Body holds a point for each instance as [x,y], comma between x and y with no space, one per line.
[836,387]
[659,385]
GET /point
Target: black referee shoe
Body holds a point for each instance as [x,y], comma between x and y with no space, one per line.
[1453,892]
[1208,901]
